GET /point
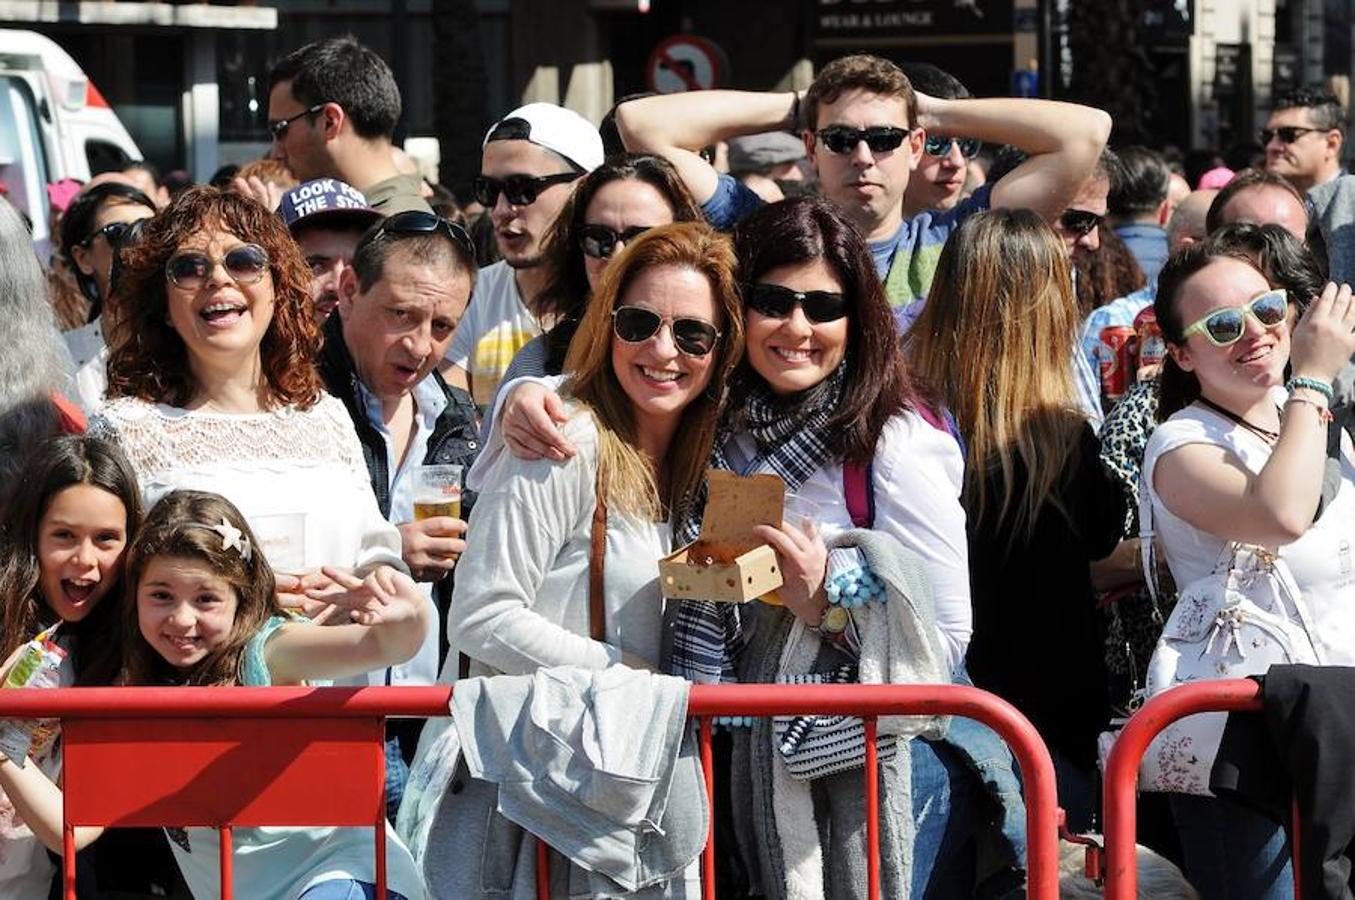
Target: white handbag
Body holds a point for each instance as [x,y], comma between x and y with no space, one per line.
[1239,620]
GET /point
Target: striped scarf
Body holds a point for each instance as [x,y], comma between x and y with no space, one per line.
[793,441]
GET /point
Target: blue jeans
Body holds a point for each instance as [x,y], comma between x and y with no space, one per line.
[346,889]
[943,820]
[397,773]
[1232,852]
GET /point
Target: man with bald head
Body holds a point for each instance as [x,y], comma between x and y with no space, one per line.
[1185,227]
[1263,198]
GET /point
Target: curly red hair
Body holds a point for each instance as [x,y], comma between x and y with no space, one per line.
[148,359]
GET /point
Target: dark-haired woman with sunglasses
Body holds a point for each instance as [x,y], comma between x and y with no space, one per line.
[1240,456]
[647,367]
[212,385]
[824,390]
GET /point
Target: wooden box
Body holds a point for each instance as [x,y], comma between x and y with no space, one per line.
[728,562]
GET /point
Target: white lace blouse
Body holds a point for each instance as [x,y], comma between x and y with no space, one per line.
[297,476]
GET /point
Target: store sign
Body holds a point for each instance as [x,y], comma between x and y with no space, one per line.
[1230,62]
[1287,72]
[888,18]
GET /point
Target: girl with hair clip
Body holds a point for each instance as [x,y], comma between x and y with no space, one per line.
[68,520]
[646,370]
[995,339]
[1240,456]
[200,608]
[823,393]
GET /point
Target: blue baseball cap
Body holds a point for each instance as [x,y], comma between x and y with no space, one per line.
[327,203]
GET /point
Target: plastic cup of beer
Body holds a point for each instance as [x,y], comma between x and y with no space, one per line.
[437,491]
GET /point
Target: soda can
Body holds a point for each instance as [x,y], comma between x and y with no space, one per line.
[1152,347]
[1115,360]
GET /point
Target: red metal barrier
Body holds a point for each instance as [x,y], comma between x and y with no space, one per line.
[1122,766]
[209,757]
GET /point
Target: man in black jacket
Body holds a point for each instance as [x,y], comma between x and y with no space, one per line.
[399,305]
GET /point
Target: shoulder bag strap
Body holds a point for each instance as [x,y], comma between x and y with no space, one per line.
[859,490]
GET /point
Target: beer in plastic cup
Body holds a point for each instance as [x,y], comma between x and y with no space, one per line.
[437,491]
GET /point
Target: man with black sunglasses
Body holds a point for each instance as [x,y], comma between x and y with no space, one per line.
[530,161]
[332,109]
[1304,137]
[864,128]
[939,179]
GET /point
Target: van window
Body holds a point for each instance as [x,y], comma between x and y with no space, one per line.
[105,157]
[23,168]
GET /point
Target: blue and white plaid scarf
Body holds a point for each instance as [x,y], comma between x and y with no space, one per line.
[793,441]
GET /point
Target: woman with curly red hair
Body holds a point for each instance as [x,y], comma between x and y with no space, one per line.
[212,386]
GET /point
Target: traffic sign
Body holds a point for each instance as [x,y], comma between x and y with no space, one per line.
[685,62]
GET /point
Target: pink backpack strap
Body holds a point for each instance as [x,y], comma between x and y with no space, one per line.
[859,489]
[932,417]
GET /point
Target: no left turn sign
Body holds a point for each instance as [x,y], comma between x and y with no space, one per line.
[685,62]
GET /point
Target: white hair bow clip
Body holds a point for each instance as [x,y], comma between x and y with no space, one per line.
[232,538]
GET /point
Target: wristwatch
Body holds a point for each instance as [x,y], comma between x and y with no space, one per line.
[835,621]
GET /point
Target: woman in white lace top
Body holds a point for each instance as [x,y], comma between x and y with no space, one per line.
[211,386]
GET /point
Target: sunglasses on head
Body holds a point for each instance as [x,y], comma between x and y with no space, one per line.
[190,270]
[1079,222]
[940,146]
[599,241]
[279,128]
[635,324]
[521,190]
[112,233]
[879,138]
[416,221]
[777,302]
[1287,135]
[1224,327]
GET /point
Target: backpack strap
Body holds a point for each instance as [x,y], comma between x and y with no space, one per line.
[858,486]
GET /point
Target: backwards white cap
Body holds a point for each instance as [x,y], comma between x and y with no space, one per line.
[555,128]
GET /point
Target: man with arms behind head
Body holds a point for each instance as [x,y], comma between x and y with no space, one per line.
[332,108]
[1304,137]
[529,163]
[939,179]
[399,304]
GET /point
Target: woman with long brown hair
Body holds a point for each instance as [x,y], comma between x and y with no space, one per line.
[995,338]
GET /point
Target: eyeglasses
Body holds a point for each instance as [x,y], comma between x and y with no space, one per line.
[1287,135]
[635,325]
[879,138]
[1079,222]
[779,302]
[521,190]
[1224,327]
[112,233]
[599,241]
[416,221]
[279,128]
[245,264]
[940,146]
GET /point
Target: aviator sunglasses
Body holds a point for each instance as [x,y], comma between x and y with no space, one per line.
[245,264]
[1079,222]
[879,138]
[777,302]
[599,241]
[635,325]
[1225,327]
[521,190]
[940,146]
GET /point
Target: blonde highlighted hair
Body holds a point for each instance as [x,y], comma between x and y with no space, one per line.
[625,477]
[995,338]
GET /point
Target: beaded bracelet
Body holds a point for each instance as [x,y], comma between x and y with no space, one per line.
[1311,384]
[1322,412]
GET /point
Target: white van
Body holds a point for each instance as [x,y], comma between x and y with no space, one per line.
[54,124]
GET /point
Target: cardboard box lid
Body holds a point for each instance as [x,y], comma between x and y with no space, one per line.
[736,505]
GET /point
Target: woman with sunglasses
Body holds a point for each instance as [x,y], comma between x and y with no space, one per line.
[1240,456]
[611,206]
[647,366]
[92,230]
[995,339]
[823,387]
[212,385]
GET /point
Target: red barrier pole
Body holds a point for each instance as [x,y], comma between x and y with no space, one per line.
[872,811]
[708,767]
[1122,766]
[542,870]
[68,857]
[227,866]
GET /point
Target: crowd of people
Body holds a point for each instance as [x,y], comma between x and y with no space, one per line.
[982,352]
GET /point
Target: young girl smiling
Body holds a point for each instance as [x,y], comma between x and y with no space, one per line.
[201,608]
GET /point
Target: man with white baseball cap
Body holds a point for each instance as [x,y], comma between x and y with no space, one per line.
[327,217]
[530,161]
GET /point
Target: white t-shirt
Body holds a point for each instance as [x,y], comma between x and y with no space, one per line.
[1320,561]
[496,325]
